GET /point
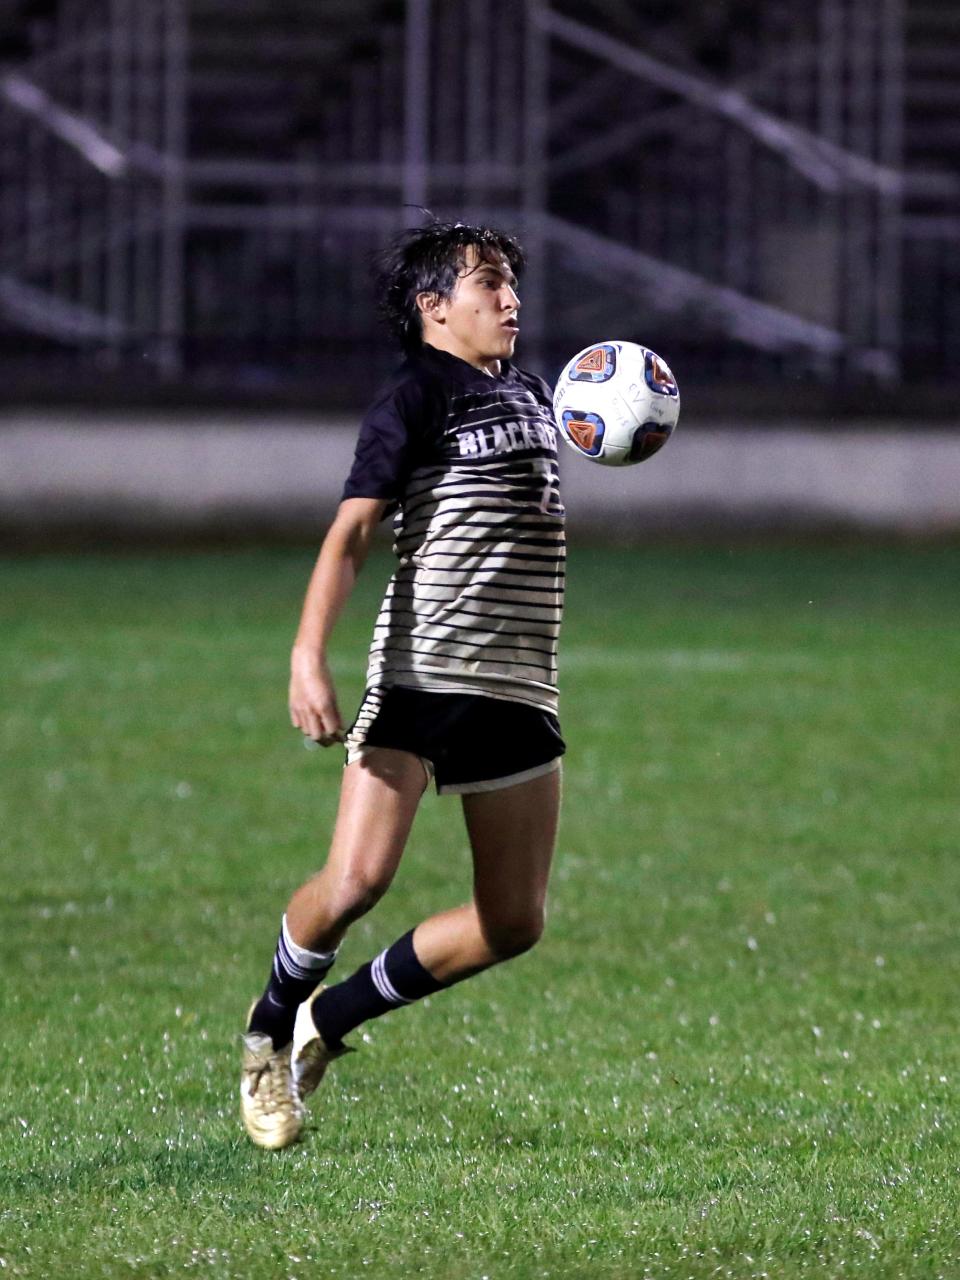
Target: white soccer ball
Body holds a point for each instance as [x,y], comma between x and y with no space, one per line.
[616,403]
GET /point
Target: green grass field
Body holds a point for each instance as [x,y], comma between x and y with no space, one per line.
[734,1054]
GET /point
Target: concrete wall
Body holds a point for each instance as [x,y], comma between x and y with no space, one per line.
[185,476]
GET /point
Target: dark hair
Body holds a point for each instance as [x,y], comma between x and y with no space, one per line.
[428,260]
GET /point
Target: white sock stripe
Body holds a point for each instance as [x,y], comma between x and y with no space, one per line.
[301,955]
[291,970]
[378,972]
[294,970]
[297,961]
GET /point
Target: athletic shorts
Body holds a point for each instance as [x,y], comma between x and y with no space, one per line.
[467,742]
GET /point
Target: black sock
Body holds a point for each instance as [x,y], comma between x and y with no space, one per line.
[295,975]
[394,978]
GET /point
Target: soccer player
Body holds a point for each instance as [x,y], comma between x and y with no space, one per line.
[461,679]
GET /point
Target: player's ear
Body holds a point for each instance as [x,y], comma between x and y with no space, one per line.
[430,306]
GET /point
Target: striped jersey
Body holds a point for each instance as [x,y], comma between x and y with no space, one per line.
[469,464]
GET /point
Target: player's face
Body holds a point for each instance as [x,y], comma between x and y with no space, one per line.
[478,322]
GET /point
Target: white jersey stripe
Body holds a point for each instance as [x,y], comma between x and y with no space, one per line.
[476,600]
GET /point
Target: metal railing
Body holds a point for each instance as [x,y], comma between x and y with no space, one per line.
[188,225]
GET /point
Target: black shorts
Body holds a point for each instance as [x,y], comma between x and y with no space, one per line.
[467,742]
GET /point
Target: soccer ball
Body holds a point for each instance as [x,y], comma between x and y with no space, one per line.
[616,403]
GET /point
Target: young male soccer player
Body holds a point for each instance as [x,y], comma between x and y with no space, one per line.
[461,680]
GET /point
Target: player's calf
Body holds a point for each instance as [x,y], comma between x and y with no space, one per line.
[395,977]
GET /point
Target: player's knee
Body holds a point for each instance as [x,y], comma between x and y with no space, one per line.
[512,935]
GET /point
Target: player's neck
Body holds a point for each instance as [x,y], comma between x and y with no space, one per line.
[489,366]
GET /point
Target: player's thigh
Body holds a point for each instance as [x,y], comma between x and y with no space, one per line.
[379,796]
[512,834]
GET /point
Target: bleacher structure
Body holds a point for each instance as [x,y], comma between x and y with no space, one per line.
[190,190]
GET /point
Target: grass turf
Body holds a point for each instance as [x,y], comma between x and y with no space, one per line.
[734,1054]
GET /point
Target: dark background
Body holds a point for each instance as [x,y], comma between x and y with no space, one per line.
[191,190]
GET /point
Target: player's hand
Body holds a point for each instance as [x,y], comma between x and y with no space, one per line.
[313,699]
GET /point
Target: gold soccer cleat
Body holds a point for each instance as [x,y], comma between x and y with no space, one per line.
[273,1114]
[311,1056]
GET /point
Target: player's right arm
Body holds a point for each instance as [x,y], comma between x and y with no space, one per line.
[313,699]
